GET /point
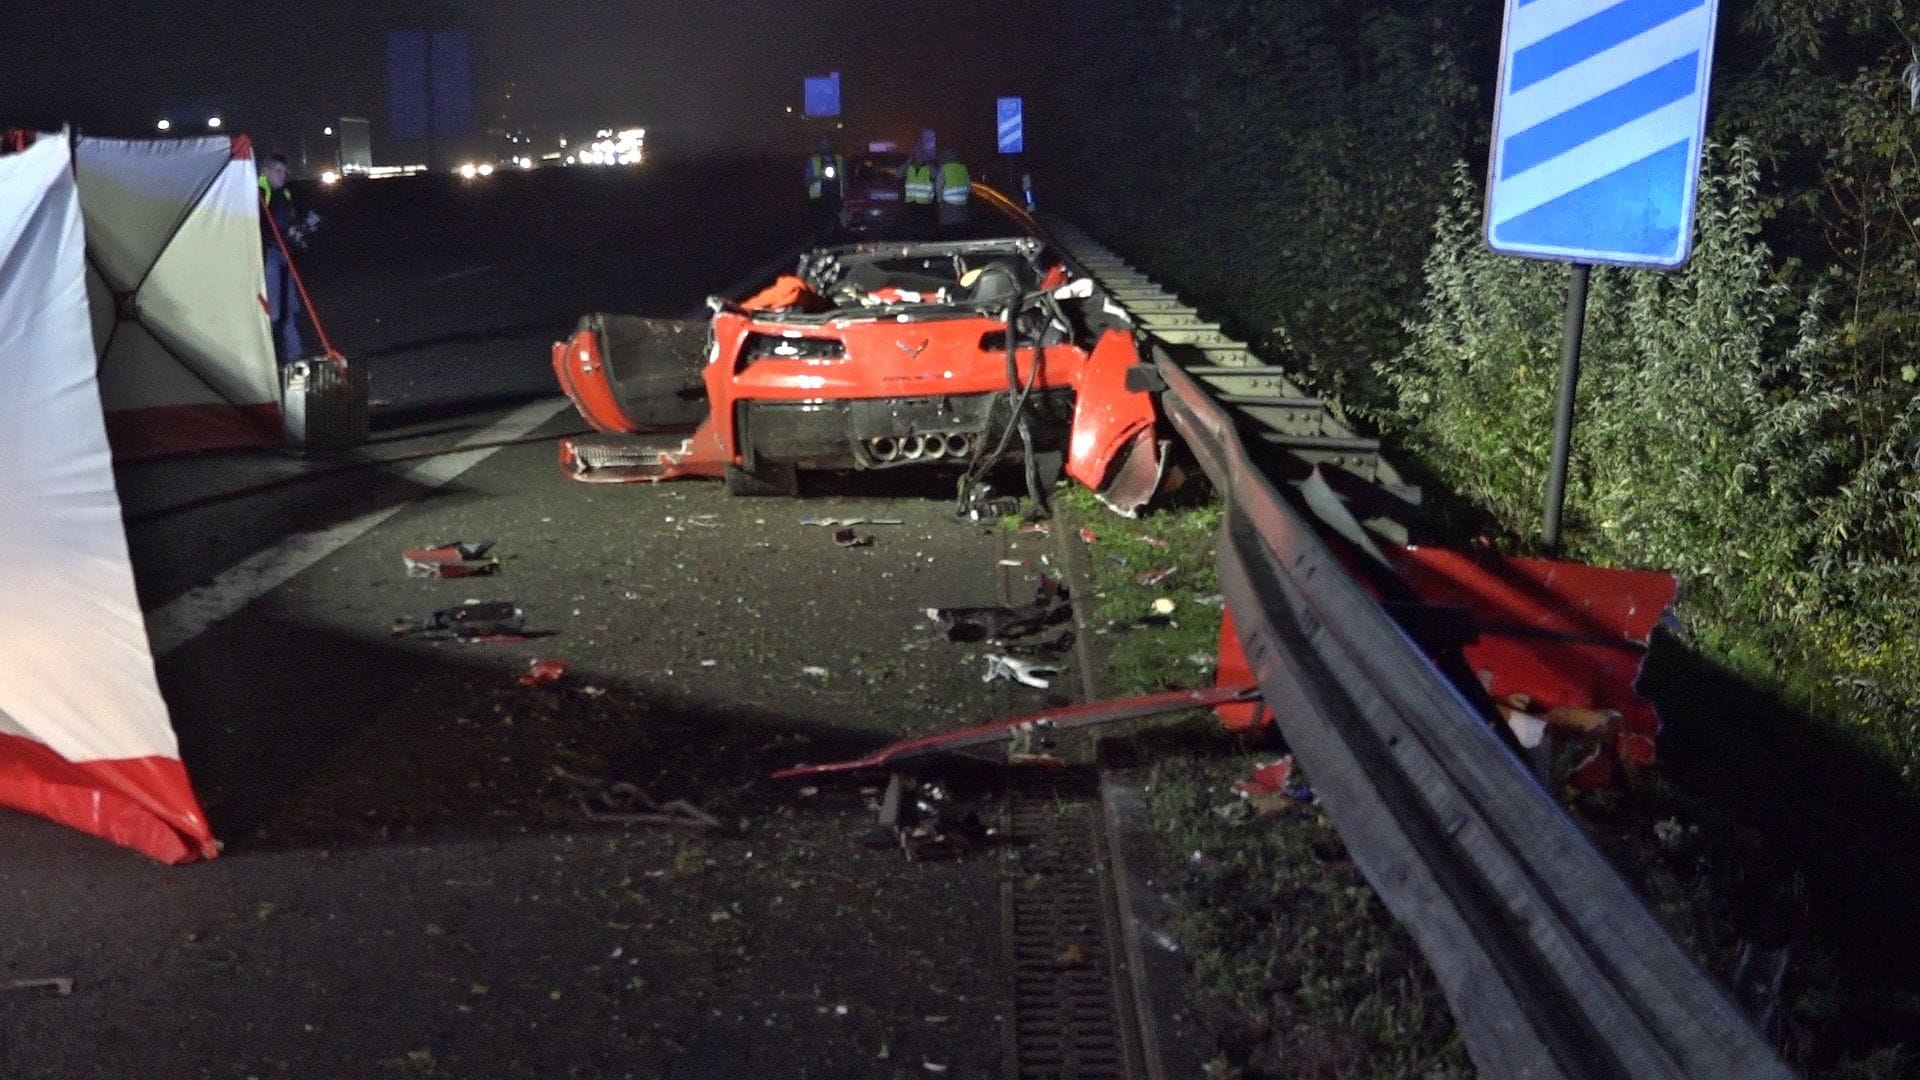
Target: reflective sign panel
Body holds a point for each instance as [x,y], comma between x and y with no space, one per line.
[1012,126]
[823,94]
[1598,129]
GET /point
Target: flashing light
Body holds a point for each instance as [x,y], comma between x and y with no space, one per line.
[329,177]
[213,123]
[165,125]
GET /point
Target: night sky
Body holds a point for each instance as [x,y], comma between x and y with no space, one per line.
[703,77]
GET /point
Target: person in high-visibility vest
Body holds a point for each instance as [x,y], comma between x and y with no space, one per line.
[955,189]
[281,223]
[920,192]
[826,188]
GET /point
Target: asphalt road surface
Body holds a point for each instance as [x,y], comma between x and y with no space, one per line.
[410,885]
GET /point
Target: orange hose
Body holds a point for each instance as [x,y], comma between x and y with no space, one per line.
[301,285]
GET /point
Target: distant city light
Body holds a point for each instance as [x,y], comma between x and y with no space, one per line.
[388,172]
[213,123]
[165,125]
[627,147]
[329,177]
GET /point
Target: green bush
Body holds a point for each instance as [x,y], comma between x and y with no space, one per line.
[1721,435]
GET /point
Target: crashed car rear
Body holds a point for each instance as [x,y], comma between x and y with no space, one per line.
[964,355]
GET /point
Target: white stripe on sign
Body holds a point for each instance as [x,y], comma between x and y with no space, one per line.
[191,614]
[1605,71]
[1539,20]
[1583,165]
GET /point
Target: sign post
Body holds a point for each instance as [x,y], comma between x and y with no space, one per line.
[1598,130]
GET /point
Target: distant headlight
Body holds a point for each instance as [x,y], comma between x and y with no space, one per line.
[486,170]
[329,177]
[469,170]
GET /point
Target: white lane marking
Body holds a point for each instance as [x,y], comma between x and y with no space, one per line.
[458,274]
[191,614]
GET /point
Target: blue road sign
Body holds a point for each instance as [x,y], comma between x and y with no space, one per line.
[823,94]
[1598,129]
[1013,127]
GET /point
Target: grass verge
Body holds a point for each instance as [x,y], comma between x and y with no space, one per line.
[1300,966]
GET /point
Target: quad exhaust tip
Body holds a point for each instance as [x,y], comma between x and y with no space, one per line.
[885,448]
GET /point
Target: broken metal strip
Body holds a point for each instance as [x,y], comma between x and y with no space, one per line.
[1552,964]
[1064,718]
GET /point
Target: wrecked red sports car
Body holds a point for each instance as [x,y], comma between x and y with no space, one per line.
[967,355]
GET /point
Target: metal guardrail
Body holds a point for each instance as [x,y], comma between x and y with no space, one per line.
[1553,966]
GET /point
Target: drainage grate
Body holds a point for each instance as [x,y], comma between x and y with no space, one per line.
[1067,1023]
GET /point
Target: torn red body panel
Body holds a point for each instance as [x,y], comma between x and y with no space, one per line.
[872,357]
[1561,635]
[1233,669]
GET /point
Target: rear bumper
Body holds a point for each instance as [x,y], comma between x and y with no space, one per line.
[884,432]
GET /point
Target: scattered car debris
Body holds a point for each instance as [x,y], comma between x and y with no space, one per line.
[1089,537]
[847,538]
[927,822]
[1037,528]
[1063,718]
[815,671]
[1267,778]
[542,672]
[62,985]
[453,559]
[1013,562]
[1269,789]
[1164,606]
[1155,577]
[1052,605]
[1052,649]
[1215,600]
[1025,672]
[847,523]
[624,803]
[1155,542]
[475,620]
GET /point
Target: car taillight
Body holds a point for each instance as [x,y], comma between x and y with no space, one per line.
[776,347]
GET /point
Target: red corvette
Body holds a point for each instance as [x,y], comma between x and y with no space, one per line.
[961,355]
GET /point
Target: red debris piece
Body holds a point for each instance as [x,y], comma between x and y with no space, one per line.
[541,672]
[1089,537]
[1571,639]
[1267,778]
[457,559]
[1155,577]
